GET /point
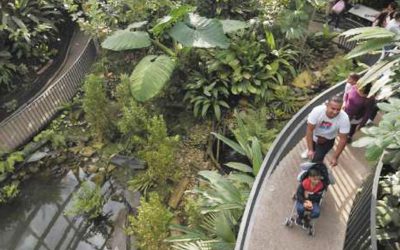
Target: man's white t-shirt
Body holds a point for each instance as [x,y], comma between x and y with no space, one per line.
[328,127]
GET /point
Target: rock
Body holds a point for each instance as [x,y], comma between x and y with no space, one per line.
[92,169]
[61,159]
[74,150]
[99,179]
[111,168]
[95,159]
[87,151]
[102,170]
[37,156]
[34,169]
[127,161]
[177,194]
[132,198]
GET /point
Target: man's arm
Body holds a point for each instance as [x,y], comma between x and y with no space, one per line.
[309,139]
[341,145]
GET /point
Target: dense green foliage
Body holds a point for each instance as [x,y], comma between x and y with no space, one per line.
[27,31]
[88,201]
[388,209]
[385,136]
[95,106]
[8,192]
[151,224]
[8,163]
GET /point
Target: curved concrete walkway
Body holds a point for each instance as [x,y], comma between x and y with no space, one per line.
[267,230]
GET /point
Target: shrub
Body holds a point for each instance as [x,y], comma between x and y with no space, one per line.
[87,201]
[7,165]
[151,225]
[159,154]
[8,192]
[388,209]
[338,69]
[95,105]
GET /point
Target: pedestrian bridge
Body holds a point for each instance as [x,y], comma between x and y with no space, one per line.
[271,198]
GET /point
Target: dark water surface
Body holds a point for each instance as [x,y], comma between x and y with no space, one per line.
[36,220]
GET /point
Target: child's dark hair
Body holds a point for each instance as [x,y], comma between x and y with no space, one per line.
[314,172]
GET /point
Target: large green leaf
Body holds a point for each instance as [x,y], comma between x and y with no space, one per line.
[199,32]
[369,47]
[125,39]
[257,157]
[150,75]
[377,70]
[240,166]
[365,33]
[235,146]
[229,25]
[174,16]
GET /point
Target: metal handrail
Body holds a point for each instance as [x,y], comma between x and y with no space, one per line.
[23,124]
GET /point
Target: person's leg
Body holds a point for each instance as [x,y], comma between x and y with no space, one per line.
[315,211]
[337,21]
[352,130]
[300,210]
[321,150]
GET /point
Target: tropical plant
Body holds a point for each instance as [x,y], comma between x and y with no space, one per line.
[246,145]
[8,163]
[159,154]
[246,68]
[99,18]
[388,210]
[8,192]
[188,29]
[294,22]
[338,68]
[25,24]
[151,224]
[56,138]
[230,9]
[88,201]
[95,106]
[207,92]
[221,200]
[255,122]
[371,40]
[385,136]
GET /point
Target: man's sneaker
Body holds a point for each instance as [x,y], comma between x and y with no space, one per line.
[337,30]
[304,155]
[369,123]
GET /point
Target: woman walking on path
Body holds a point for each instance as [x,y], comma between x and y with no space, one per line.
[358,107]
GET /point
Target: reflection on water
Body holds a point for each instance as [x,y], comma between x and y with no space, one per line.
[36,220]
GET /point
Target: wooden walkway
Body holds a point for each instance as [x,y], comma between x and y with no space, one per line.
[267,230]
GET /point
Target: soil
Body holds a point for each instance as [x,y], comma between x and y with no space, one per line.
[21,95]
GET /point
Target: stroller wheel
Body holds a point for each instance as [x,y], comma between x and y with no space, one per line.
[288,222]
[311,231]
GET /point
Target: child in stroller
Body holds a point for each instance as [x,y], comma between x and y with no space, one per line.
[308,197]
[313,183]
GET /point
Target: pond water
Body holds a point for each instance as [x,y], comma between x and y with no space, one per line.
[36,220]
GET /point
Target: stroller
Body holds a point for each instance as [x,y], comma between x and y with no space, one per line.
[309,223]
